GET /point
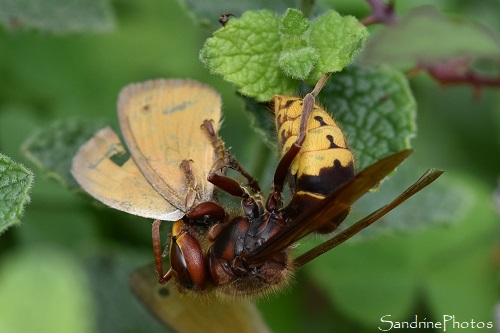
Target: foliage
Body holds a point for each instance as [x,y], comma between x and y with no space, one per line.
[15,183]
[263,54]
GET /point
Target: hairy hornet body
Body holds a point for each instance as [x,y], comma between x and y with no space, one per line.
[233,273]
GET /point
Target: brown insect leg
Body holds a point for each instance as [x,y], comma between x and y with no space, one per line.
[274,201]
[207,208]
[252,182]
[225,159]
[216,140]
[158,253]
[249,205]
[191,181]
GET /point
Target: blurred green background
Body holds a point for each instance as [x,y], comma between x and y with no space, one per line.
[66,267]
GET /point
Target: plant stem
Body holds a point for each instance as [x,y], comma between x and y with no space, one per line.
[306,6]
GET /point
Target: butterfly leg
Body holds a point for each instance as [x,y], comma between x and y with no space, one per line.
[217,177]
[158,253]
[191,181]
[252,207]
[203,211]
[225,159]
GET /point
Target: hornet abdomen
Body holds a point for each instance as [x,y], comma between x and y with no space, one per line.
[324,161]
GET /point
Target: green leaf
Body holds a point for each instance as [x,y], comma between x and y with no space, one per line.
[373,106]
[261,121]
[53,147]
[338,39]
[15,184]
[296,59]
[58,16]
[293,24]
[298,63]
[425,36]
[261,53]
[245,52]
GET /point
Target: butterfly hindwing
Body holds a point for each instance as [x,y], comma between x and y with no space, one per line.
[118,184]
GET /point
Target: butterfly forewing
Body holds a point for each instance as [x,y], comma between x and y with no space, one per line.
[161,124]
[120,185]
[330,207]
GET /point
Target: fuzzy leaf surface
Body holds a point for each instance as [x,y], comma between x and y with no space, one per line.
[15,184]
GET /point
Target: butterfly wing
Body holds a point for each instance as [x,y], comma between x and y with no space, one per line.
[331,206]
[119,185]
[187,313]
[161,124]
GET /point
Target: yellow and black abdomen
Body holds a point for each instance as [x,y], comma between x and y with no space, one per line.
[324,161]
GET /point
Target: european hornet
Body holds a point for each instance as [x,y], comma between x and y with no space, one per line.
[250,254]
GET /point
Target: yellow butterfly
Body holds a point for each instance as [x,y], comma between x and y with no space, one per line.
[161,126]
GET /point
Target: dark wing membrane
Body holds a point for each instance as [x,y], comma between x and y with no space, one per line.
[328,208]
[430,176]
